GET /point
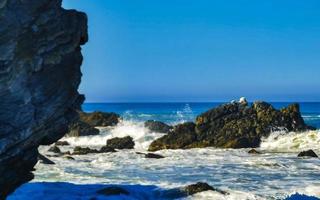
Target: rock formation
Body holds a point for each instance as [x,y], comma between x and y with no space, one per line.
[40,58]
[156,126]
[232,125]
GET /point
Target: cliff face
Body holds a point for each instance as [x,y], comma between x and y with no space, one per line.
[40,58]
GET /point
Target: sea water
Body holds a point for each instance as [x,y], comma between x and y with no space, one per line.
[276,174]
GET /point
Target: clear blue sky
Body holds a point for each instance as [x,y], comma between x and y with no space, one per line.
[201,50]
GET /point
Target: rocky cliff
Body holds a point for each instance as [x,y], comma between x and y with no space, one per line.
[40,58]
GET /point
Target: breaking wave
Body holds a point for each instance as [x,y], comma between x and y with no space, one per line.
[292,142]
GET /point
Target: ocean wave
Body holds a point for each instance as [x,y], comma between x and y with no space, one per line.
[141,135]
[292,142]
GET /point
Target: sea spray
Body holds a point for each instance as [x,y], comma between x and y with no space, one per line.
[292,142]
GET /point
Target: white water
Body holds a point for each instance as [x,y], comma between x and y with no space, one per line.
[276,173]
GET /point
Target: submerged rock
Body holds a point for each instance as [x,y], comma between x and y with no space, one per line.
[62,143]
[232,125]
[54,149]
[113,190]
[45,160]
[121,143]
[309,153]
[80,128]
[153,155]
[200,187]
[106,149]
[40,58]
[253,151]
[156,126]
[83,150]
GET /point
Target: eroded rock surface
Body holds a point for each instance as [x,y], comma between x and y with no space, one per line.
[232,125]
[40,58]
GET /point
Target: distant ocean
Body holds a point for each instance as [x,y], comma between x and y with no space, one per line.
[275,174]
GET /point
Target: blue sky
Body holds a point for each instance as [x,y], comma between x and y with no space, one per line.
[201,50]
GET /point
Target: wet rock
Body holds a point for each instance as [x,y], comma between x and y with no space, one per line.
[232,125]
[106,149]
[153,155]
[253,151]
[62,143]
[113,190]
[309,153]
[83,150]
[100,118]
[180,137]
[200,187]
[54,149]
[68,157]
[40,58]
[121,143]
[156,126]
[80,128]
[44,160]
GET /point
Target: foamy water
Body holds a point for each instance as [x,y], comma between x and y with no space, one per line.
[275,174]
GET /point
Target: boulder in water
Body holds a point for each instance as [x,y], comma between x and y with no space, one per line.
[153,155]
[157,126]
[83,150]
[62,143]
[106,149]
[253,151]
[100,118]
[45,160]
[200,187]
[80,128]
[309,153]
[121,143]
[113,190]
[232,125]
[54,149]
[180,137]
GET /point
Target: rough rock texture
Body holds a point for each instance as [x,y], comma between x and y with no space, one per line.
[157,126]
[233,125]
[40,58]
[80,128]
[100,118]
[309,153]
[121,143]
[87,122]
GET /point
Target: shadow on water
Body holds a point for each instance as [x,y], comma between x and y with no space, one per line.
[68,191]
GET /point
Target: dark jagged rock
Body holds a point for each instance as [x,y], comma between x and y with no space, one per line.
[232,125]
[100,118]
[87,122]
[200,187]
[253,151]
[40,58]
[106,149]
[157,126]
[68,157]
[83,150]
[45,160]
[121,143]
[180,137]
[309,153]
[80,128]
[62,143]
[54,149]
[153,155]
[113,190]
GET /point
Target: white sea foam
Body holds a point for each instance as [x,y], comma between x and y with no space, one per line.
[141,135]
[292,142]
